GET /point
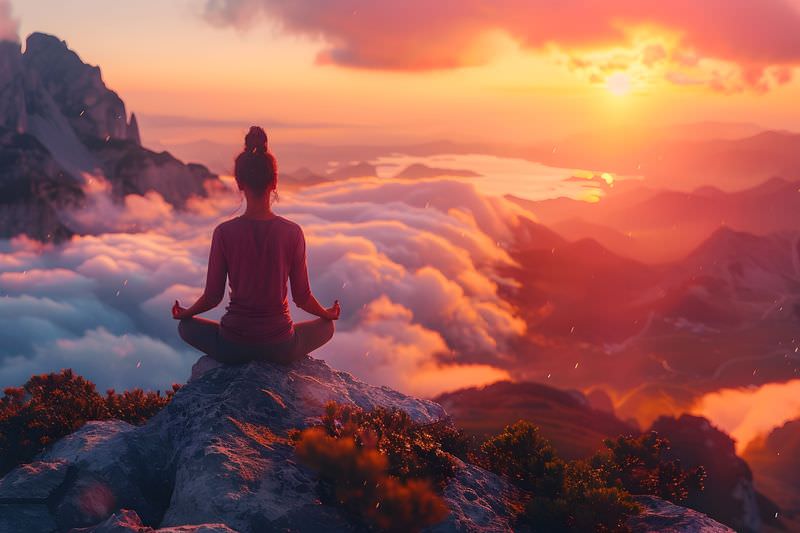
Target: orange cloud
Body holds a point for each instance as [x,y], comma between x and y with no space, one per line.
[420,35]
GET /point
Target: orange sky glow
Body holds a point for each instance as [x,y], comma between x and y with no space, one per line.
[357,71]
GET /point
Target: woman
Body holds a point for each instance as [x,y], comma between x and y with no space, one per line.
[258,252]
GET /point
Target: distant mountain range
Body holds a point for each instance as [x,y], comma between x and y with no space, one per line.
[58,124]
[569,420]
[660,335]
[680,158]
[576,425]
[776,465]
[656,225]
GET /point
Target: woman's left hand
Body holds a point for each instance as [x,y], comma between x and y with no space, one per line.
[178,312]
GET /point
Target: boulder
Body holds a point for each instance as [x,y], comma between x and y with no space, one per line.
[218,453]
[665,517]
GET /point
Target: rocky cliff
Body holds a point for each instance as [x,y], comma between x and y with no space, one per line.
[216,459]
[58,123]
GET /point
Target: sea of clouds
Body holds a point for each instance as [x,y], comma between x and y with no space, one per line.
[413,264]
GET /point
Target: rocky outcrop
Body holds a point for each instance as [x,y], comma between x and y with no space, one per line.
[729,495]
[665,517]
[217,460]
[132,169]
[93,110]
[58,123]
[776,469]
[12,88]
[34,189]
[132,133]
[218,453]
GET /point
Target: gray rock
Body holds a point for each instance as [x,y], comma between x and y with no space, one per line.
[665,517]
[127,521]
[25,517]
[478,500]
[34,188]
[59,121]
[218,453]
[34,481]
[78,90]
[217,459]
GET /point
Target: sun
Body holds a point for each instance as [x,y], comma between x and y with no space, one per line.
[619,84]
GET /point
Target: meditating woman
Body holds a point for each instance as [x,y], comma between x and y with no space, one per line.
[258,252]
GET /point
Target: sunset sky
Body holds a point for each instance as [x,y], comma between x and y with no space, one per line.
[363,72]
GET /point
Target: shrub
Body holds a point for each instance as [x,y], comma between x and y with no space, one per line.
[413,450]
[137,406]
[525,457]
[637,464]
[356,477]
[582,503]
[50,406]
[564,496]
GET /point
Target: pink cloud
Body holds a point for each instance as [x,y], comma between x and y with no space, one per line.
[9,26]
[420,35]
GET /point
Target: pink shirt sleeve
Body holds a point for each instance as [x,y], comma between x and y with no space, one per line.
[298,272]
[217,269]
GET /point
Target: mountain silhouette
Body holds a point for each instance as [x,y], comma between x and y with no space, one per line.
[60,123]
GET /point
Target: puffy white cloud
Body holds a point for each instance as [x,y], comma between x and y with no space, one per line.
[388,348]
[110,361]
[412,263]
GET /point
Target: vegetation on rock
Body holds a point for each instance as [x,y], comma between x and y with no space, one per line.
[50,406]
[638,464]
[564,496]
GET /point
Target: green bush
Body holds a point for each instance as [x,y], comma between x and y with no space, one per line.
[356,476]
[564,496]
[637,464]
[413,450]
[50,406]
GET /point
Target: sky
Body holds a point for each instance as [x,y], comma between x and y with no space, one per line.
[357,71]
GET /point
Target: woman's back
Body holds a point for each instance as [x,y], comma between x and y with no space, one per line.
[258,253]
[259,256]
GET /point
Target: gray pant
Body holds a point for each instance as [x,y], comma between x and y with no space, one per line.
[204,335]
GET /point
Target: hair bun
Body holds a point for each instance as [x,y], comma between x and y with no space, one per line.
[255,140]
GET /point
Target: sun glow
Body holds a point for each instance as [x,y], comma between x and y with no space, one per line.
[619,84]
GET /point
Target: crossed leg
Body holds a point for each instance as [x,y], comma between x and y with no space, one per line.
[200,333]
[311,335]
[203,334]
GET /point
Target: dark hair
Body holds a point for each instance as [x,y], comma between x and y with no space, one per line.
[256,167]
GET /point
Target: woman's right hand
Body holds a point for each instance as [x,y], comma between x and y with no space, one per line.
[332,313]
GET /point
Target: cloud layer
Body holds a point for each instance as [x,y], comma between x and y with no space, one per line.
[412,263]
[750,413]
[420,35]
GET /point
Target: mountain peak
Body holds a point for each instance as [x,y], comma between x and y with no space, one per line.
[37,41]
[76,88]
[132,132]
[57,116]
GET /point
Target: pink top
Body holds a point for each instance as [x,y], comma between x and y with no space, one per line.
[258,257]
